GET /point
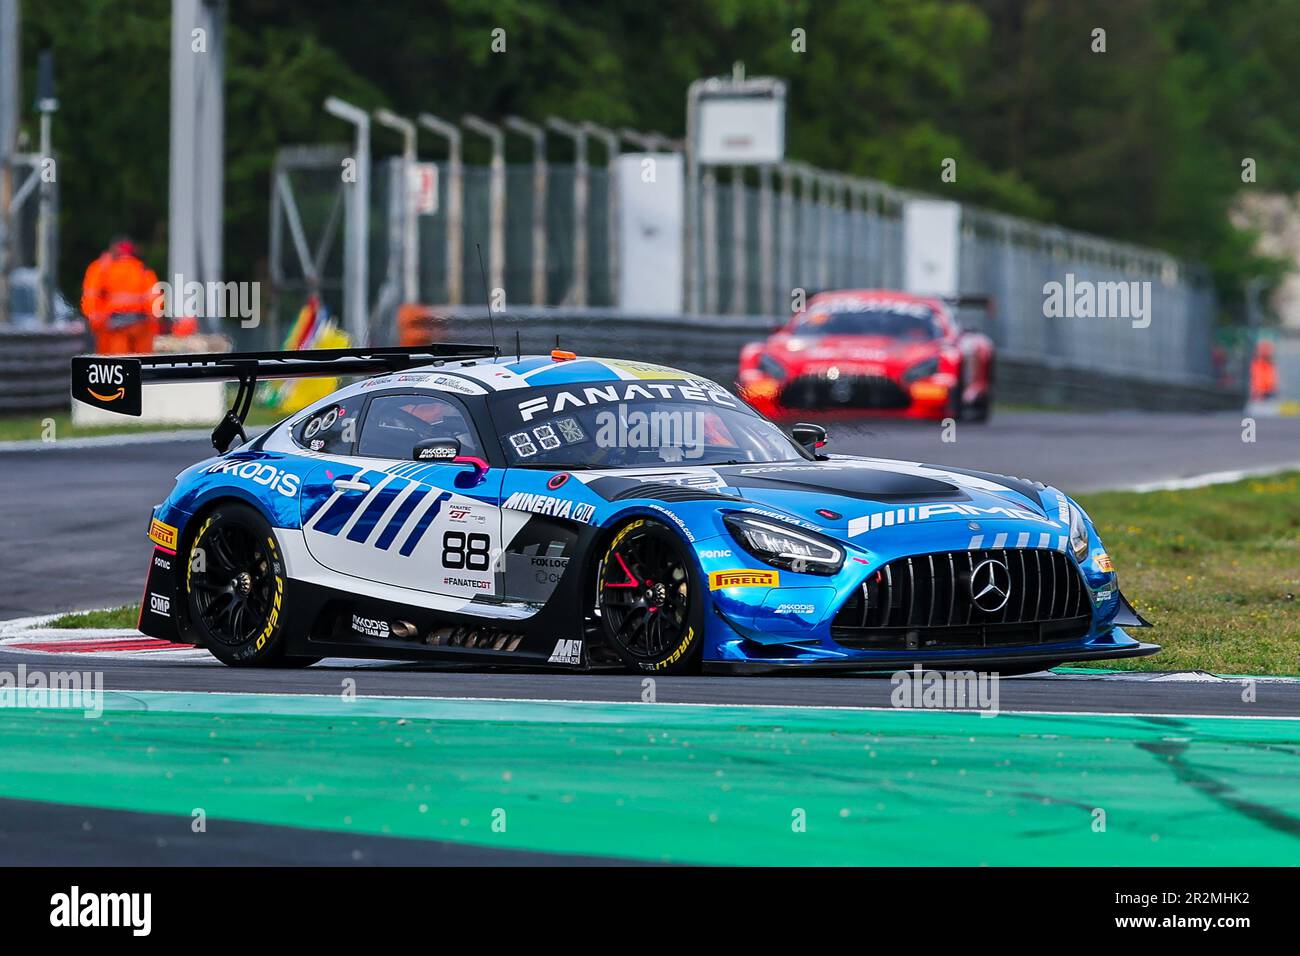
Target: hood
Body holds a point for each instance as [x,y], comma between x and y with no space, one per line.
[853,498]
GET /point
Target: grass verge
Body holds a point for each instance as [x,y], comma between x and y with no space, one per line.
[1216,569]
[51,426]
[124,616]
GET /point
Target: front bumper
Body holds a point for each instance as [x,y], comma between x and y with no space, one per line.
[805,660]
[858,397]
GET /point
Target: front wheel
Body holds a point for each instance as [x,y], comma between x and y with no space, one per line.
[649,599]
[234,585]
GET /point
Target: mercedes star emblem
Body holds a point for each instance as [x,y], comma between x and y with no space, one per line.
[990,586]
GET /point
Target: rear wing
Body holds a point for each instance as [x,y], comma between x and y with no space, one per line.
[115,382]
[972,301]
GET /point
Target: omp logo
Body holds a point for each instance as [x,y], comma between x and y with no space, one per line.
[596,395]
[161,533]
[897,516]
[552,507]
[160,604]
[743,578]
[106,374]
[259,473]
[566,652]
[130,910]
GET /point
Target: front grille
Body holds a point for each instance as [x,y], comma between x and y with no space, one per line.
[926,601]
[846,391]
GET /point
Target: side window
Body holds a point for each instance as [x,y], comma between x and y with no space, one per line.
[394,424]
[331,430]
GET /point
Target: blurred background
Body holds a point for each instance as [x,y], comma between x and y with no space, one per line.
[331,172]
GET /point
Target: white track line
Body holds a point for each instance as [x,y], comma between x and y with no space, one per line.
[1211,478]
[99,441]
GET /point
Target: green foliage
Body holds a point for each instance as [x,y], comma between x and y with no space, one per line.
[1142,142]
[113,617]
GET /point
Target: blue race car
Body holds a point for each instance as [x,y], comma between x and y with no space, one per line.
[460,506]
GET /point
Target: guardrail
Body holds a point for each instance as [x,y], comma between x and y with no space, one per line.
[34,367]
[711,344]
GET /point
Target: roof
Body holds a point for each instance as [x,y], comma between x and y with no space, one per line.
[530,371]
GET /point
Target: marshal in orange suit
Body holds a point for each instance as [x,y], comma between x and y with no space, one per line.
[117,298]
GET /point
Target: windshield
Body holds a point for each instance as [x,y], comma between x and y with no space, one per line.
[895,320]
[634,424]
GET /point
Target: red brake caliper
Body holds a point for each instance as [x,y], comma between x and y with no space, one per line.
[631,581]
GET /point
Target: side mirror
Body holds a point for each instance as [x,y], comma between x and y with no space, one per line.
[436,449]
[811,437]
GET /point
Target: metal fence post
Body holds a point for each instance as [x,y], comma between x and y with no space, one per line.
[46,225]
[10,73]
[765,251]
[496,198]
[826,193]
[455,204]
[787,234]
[577,295]
[609,139]
[709,239]
[538,136]
[356,277]
[410,228]
[739,241]
[807,243]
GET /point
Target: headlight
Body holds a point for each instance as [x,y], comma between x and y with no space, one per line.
[922,370]
[1078,533]
[783,546]
[770,366]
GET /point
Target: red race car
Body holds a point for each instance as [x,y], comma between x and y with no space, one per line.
[872,352]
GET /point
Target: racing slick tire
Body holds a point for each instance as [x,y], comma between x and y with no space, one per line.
[234,589]
[980,410]
[650,599]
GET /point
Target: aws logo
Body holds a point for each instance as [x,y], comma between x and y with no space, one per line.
[106,381]
[112,384]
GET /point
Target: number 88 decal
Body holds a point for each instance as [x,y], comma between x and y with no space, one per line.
[469,552]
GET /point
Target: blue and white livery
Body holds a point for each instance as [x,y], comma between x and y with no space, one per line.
[582,513]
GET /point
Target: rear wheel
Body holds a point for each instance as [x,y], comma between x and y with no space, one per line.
[649,600]
[982,409]
[234,585]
